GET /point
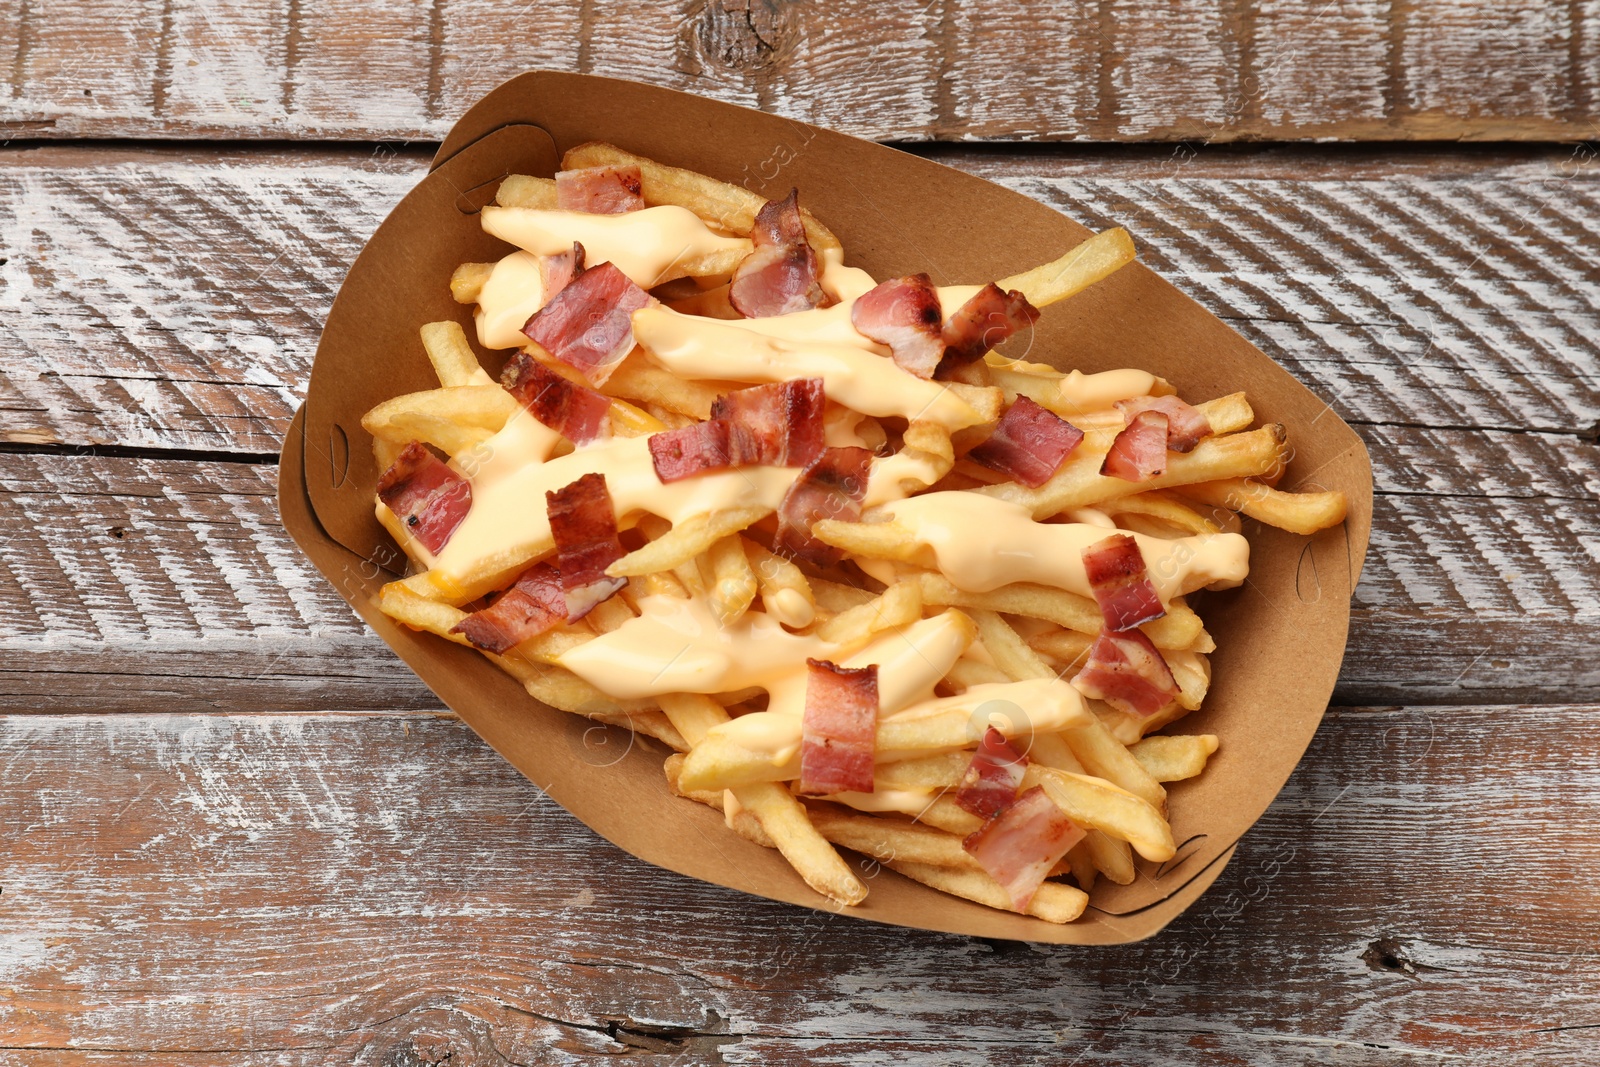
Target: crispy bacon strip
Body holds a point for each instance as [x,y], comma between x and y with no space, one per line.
[780,275]
[832,487]
[1185,425]
[1029,443]
[577,413]
[589,323]
[534,604]
[1020,845]
[1121,584]
[1139,452]
[429,497]
[993,777]
[986,320]
[904,314]
[777,425]
[583,524]
[838,729]
[1127,672]
[690,450]
[608,190]
[557,271]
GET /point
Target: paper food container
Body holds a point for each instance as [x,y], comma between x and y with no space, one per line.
[1280,638]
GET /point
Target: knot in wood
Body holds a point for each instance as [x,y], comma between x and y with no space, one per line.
[746,35]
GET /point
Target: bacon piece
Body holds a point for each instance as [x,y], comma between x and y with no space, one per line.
[839,729]
[1139,452]
[583,524]
[589,323]
[832,487]
[777,425]
[576,412]
[690,450]
[1122,587]
[557,271]
[993,777]
[600,190]
[1020,845]
[1185,424]
[429,497]
[1029,443]
[904,314]
[780,275]
[1127,672]
[986,320]
[534,604]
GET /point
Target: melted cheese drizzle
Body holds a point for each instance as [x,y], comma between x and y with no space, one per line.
[981,543]
[645,245]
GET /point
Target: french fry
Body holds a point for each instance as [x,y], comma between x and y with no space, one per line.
[837,597]
[686,541]
[1110,856]
[731,207]
[1299,513]
[711,303]
[636,378]
[673,765]
[467,283]
[899,605]
[887,838]
[1098,804]
[452,357]
[946,814]
[966,673]
[733,583]
[523,190]
[1179,628]
[402,605]
[1066,647]
[1103,756]
[786,822]
[1052,902]
[608,615]
[1079,483]
[1082,864]
[1096,258]
[455,420]
[1172,758]
[785,593]
[1183,520]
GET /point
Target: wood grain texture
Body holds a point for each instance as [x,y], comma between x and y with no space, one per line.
[294,890]
[1115,70]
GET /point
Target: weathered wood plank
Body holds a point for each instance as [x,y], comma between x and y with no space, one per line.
[1121,70]
[299,890]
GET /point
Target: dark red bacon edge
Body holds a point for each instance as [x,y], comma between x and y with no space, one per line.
[557,271]
[575,411]
[534,604]
[776,425]
[838,733]
[1139,452]
[1127,672]
[583,524]
[780,275]
[1020,845]
[1029,443]
[426,495]
[904,314]
[985,321]
[993,777]
[832,487]
[1121,583]
[689,450]
[589,324]
[1186,425]
[608,190]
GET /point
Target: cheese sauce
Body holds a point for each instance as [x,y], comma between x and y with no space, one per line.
[648,246]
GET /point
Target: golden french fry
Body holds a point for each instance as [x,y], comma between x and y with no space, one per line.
[785,593]
[1180,519]
[889,838]
[1081,863]
[609,614]
[467,283]
[636,378]
[1172,758]
[523,190]
[966,673]
[686,541]
[899,605]
[673,766]
[1299,513]
[403,605]
[1110,856]
[1103,756]
[692,714]
[710,303]
[1079,483]
[1096,258]
[987,401]
[875,540]
[1067,647]
[630,421]
[1053,902]
[1178,628]
[731,207]
[787,823]
[455,419]
[1097,804]
[733,583]
[452,357]
[1009,652]
[837,597]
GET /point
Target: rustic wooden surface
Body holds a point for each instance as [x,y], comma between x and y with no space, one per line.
[235,829]
[1113,70]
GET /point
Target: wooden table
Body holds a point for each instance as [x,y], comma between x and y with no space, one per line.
[235,829]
